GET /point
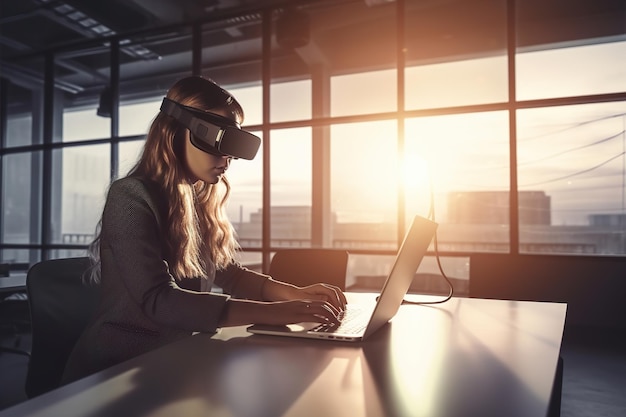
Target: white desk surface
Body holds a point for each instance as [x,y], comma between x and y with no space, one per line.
[467,357]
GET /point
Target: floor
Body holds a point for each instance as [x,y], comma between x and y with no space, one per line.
[594,375]
[13,371]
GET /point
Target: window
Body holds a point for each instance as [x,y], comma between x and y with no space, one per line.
[244,207]
[571,71]
[455,54]
[348,163]
[457,83]
[291,187]
[572,179]
[85,124]
[363,159]
[21,204]
[363,93]
[80,177]
[135,118]
[290,101]
[465,159]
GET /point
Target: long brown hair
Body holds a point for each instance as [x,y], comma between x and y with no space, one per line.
[196,229]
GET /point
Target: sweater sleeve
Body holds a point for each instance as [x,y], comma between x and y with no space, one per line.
[241,282]
[132,252]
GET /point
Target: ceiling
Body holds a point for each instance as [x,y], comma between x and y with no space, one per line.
[339,34]
[32,25]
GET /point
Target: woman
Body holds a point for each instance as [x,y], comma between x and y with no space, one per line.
[164,240]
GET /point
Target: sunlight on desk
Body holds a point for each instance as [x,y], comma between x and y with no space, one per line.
[466,357]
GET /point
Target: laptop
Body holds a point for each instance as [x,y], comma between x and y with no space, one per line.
[360,321]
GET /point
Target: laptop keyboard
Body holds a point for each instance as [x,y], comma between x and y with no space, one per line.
[353,321]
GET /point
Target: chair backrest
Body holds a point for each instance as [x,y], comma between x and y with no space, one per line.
[61,304]
[304,267]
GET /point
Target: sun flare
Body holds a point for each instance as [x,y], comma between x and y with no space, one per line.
[415,174]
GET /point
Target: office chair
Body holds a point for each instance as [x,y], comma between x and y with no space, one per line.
[308,266]
[61,304]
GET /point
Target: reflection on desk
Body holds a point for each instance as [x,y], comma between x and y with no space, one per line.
[467,357]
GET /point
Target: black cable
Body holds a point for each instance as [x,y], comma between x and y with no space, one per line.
[574,174]
[573,126]
[431,216]
[586,145]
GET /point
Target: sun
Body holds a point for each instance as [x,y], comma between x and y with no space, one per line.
[415,174]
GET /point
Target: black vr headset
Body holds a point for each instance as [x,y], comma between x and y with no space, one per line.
[212,133]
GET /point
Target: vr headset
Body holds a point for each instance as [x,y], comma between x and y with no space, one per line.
[212,133]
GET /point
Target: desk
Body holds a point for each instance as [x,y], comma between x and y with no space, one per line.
[16,282]
[467,357]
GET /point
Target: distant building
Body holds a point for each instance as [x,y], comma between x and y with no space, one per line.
[492,207]
[291,227]
[475,225]
[618,220]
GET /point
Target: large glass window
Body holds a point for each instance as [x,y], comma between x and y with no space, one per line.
[571,71]
[129,155]
[455,53]
[572,179]
[291,187]
[135,118]
[364,157]
[85,124]
[83,95]
[465,159]
[333,173]
[20,107]
[363,93]
[80,177]
[244,208]
[350,42]
[251,100]
[21,202]
[232,56]
[22,172]
[290,101]
[457,83]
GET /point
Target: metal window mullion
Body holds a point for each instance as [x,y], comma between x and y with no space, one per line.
[266,82]
[321,218]
[4,85]
[512,108]
[401,116]
[48,130]
[115,106]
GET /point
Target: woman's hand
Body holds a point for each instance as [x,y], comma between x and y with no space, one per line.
[287,304]
[242,312]
[323,292]
[282,291]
